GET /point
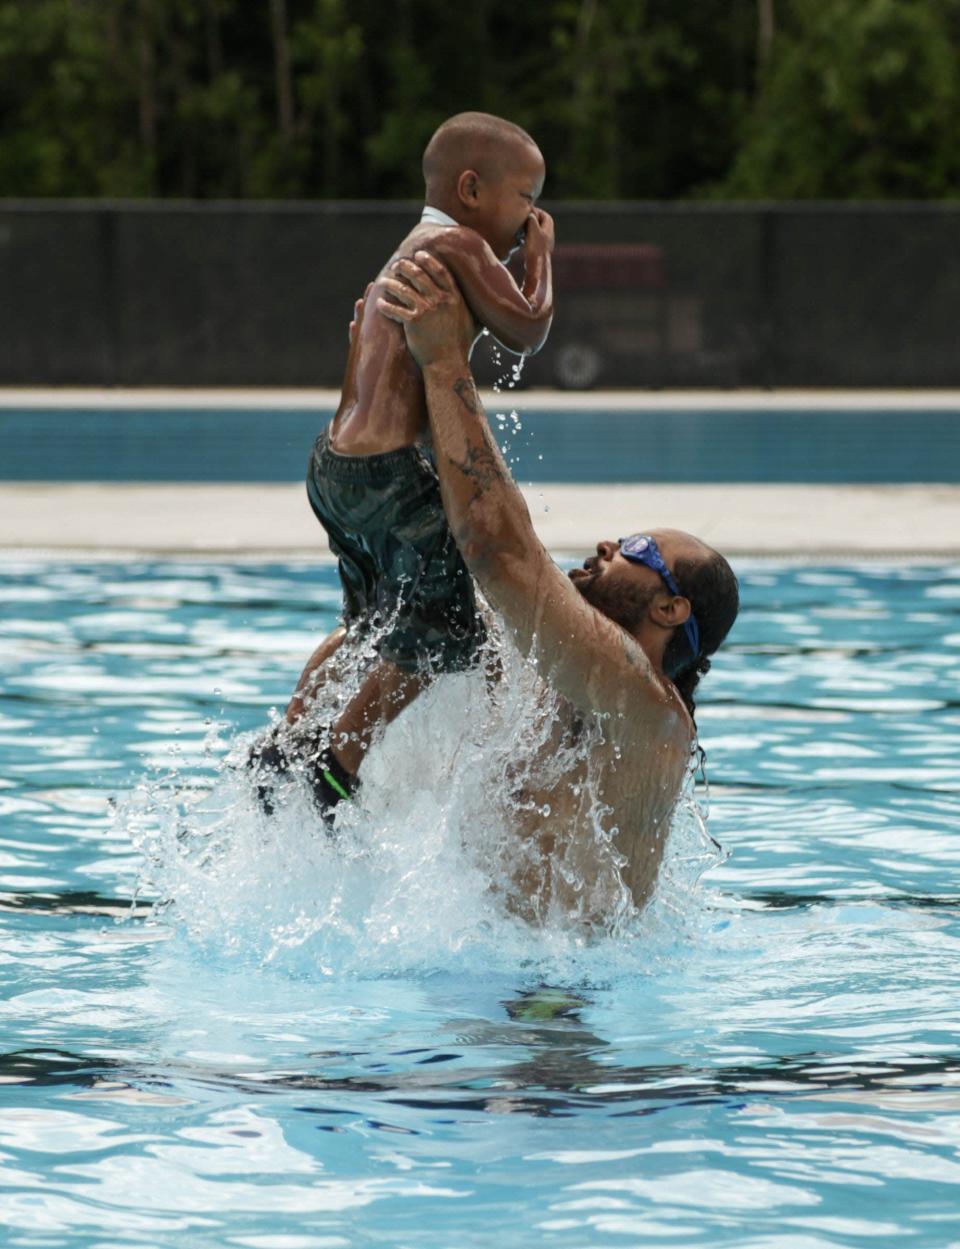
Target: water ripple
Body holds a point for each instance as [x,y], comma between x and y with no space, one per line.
[776,1066]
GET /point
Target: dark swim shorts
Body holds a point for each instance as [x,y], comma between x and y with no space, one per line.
[400,568]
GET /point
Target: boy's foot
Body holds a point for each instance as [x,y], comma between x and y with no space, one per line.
[271,758]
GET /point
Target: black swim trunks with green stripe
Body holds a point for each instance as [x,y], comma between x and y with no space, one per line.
[400,568]
[287,749]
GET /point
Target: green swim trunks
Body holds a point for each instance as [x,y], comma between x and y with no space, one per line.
[400,568]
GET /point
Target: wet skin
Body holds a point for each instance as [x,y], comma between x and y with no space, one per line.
[637,782]
[552,814]
[604,688]
[382,404]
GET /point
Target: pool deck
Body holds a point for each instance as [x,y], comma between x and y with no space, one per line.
[258,520]
[783,520]
[542,397]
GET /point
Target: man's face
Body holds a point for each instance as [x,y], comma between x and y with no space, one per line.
[511,199]
[623,589]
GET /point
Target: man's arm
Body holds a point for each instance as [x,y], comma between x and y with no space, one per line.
[579,651]
[518,317]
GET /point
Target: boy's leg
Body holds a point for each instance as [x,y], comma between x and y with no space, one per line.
[407,566]
[315,675]
[273,753]
[384,693]
[386,690]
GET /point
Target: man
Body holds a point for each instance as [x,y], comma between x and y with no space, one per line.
[621,641]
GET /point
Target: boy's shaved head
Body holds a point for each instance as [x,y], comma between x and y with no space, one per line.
[476,141]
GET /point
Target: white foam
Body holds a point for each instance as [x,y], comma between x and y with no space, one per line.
[419,873]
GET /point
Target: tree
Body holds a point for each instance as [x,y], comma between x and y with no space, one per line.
[336,98]
[859,100]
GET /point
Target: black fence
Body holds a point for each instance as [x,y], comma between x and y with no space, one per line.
[260,294]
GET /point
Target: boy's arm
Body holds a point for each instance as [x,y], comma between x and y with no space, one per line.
[517,317]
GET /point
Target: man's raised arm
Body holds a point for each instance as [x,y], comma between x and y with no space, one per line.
[583,654]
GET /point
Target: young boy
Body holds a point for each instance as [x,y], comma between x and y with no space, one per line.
[370,481]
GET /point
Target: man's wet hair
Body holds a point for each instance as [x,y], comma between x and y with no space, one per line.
[714,593]
[477,141]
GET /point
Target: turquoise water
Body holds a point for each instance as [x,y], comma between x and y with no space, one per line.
[813,445]
[772,1061]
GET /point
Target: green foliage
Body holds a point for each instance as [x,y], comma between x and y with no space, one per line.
[860,101]
[52,58]
[336,98]
[329,49]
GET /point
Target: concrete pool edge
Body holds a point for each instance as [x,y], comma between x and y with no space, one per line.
[540,398]
[241,520]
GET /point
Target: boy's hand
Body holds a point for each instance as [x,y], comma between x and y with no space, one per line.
[540,230]
[426,301]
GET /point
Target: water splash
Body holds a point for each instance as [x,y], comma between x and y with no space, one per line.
[508,424]
[420,873]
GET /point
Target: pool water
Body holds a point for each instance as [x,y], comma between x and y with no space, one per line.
[815,444]
[772,1059]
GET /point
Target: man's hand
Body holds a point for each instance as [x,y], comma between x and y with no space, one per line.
[540,230]
[426,301]
[358,314]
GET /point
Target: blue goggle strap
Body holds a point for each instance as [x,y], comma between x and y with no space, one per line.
[650,555]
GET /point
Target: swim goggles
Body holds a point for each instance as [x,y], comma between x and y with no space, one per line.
[641,549]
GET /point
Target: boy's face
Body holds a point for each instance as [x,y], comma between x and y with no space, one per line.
[508,203]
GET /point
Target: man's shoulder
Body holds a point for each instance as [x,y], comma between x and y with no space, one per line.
[646,695]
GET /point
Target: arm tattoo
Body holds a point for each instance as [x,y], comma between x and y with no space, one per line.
[466,392]
[481,464]
[482,467]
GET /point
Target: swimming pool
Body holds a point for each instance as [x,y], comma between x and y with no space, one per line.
[814,442]
[775,1064]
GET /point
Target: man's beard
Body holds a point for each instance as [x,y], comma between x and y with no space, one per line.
[625,605]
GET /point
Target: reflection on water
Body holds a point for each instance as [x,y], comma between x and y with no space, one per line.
[563,1074]
[776,1065]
